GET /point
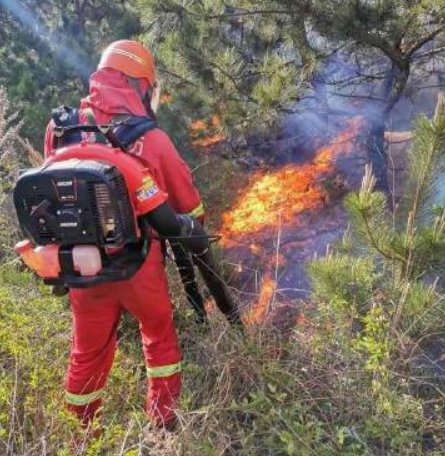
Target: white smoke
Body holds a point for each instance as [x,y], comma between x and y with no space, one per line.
[55,41]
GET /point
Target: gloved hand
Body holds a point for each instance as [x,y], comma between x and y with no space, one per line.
[194,237]
[179,229]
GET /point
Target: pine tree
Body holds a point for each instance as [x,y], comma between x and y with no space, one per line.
[392,267]
[381,302]
[415,248]
[251,62]
[389,41]
[216,60]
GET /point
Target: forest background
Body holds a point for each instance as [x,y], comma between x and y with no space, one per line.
[355,364]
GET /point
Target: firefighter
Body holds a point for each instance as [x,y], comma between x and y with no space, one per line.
[125,83]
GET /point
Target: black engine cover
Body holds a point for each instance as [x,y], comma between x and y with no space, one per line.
[75,202]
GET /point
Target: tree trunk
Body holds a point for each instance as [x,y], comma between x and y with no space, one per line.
[79,21]
[377,154]
[392,90]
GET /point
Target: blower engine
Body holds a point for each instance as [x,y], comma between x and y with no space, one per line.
[73,201]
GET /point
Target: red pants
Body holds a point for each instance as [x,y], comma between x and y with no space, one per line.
[96,315]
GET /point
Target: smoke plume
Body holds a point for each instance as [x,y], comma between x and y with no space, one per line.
[55,41]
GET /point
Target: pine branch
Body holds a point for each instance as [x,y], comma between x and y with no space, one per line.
[424,40]
[425,155]
[251,13]
[368,211]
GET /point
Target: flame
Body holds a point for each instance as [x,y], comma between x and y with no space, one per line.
[206,133]
[198,125]
[166,98]
[258,313]
[280,196]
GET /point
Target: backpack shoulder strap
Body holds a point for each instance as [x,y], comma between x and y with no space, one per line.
[130,128]
[127,128]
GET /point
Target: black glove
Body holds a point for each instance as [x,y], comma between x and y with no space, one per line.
[193,236]
[181,230]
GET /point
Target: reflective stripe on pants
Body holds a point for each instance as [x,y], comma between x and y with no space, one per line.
[83,399]
[163,371]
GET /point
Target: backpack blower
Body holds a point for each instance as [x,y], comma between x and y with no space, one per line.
[78,216]
[81,208]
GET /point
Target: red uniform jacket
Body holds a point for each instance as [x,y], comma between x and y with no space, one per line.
[111,95]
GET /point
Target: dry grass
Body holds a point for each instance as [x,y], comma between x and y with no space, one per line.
[15,153]
[263,394]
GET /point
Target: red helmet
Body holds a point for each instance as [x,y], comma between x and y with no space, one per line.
[131,58]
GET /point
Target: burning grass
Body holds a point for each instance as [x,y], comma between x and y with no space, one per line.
[206,133]
[274,198]
[258,313]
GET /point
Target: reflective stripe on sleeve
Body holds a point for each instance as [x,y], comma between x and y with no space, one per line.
[163,371]
[83,399]
[197,212]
